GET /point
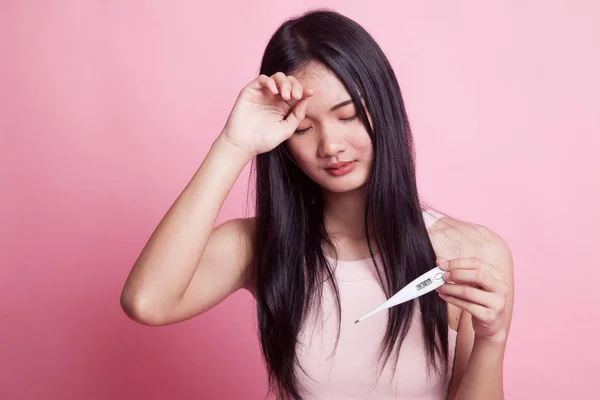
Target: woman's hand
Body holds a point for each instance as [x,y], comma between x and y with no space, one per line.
[480,289]
[266,113]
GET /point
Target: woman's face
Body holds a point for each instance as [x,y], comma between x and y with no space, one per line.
[331,134]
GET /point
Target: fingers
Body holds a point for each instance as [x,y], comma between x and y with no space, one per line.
[476,310]
[284,84]
[287,86]
[291,91]
[479,288]
[474,277]
[470,263]
[295,116]
[297,91]
[473,285]
[472,295]
[268,83]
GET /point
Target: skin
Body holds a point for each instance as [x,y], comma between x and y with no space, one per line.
[479,291]
[324,137]
[188,265]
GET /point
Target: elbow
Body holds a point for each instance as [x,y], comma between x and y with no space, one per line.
[138,309]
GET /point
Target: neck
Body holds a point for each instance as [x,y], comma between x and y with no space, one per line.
[344,213]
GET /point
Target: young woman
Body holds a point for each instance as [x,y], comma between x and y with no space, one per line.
[339,227]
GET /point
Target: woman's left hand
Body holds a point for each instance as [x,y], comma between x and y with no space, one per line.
[480,289]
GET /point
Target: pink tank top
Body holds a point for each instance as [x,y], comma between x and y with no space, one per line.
[351,371]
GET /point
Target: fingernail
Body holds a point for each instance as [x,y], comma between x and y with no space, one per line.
[446,275]
[442,263]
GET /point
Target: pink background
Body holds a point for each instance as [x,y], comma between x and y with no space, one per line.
[108,108]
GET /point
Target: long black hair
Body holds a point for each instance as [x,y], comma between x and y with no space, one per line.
[290,236]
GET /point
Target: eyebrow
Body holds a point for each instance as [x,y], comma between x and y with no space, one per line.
[340,105]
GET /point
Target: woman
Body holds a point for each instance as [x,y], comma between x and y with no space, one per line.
[339,228]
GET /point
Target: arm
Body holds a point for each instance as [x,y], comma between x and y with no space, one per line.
[186,268]
[478,367]
[481,343]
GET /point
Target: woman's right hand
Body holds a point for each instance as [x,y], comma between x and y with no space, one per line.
[266,113]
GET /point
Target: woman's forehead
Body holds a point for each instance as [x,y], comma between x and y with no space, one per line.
[322,81]
[328,91]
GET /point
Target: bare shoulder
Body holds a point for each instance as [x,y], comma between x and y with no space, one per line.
[458,238]
[229,254]
[247,230]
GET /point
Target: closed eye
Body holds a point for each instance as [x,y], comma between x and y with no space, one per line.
[300,132]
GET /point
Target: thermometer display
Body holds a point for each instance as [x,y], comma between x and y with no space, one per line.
[425,283]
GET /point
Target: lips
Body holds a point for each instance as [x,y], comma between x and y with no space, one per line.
[342,169]
[338,165]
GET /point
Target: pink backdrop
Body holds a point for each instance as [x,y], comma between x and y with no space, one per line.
[107,109]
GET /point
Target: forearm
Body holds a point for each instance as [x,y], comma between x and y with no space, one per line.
[483,378]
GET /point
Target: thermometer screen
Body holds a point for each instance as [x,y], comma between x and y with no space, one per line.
[423,284]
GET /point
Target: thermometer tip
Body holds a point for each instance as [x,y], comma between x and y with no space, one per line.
[357,321]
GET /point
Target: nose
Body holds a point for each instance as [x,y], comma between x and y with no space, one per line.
[331,143]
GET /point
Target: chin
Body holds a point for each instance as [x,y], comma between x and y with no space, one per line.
[347,189]
[343,184]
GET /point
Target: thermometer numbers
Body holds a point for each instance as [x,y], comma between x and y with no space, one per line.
[425,283]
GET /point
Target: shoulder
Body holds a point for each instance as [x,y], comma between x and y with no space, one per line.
[237,231]
[231,245]
[246,225]
[469,239]
[246,228]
